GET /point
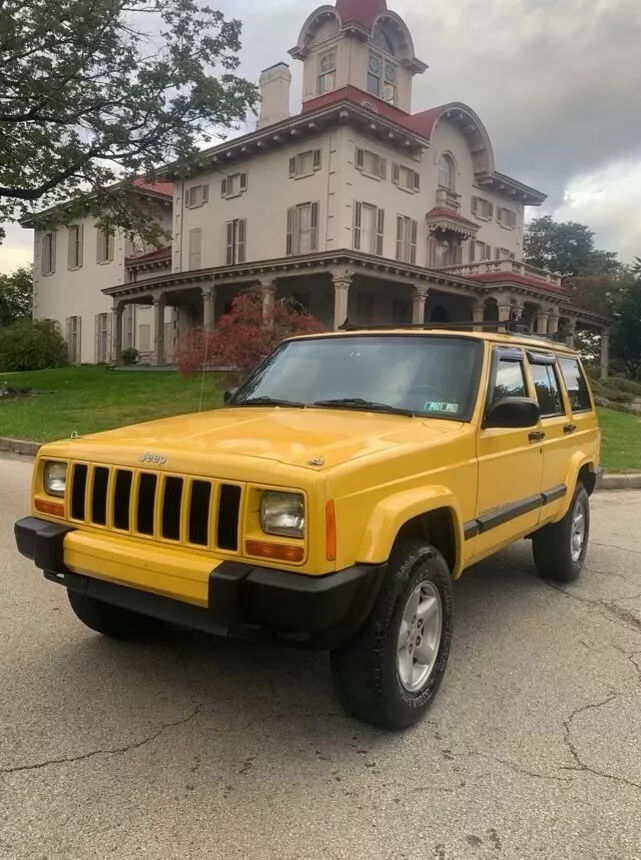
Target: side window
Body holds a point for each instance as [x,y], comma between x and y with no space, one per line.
[547,390]
[576,384]
[509,382]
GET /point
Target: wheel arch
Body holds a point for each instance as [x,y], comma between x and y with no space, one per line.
[434,517]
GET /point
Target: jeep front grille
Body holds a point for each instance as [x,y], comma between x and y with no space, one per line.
[193,511]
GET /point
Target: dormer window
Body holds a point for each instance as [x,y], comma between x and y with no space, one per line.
[382,78]
[327,73]
[446,172]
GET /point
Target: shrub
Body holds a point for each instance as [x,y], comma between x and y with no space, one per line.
[31,346]
[243,337]
[130,357]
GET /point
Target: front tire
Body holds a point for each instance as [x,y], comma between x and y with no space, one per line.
[560,549]
[111,621]
[390,672]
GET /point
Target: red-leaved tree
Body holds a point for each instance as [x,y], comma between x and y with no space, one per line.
[244,336]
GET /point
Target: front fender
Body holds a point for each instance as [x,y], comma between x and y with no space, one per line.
[391,514]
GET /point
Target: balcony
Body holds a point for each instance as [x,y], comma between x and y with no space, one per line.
[494,271]
[446,199]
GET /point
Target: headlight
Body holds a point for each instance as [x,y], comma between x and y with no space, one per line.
[55,479]
[283,514]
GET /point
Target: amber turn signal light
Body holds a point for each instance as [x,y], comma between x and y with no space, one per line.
[330,532]
[54,509]
[275,551]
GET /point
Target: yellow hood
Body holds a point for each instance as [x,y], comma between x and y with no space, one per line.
[295,437]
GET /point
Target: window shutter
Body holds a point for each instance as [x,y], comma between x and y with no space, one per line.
[499,214]
[205,193]
[458,255]
[292,167]
[358,220]
[431,252]
[396,174]
[111,241]
[96,339]
[475,205]
[360,157]
[317,159]
[399,237]
[314,236]
[223,189]
[291,230]
[242,238]
[472,251]
[195,248]
[43,255]
[243,182]
[382,168]
[54,236]
[417,181]
[413,242]
[230,243]
[81,245]
[99,256]
[71,247]
[497,253]
[68,337]
[380,231]
[78,340]
[110,350]
[490,210]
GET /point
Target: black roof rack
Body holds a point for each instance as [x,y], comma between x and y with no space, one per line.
[504,327]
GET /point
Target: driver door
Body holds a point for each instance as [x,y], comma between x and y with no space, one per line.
[510,463]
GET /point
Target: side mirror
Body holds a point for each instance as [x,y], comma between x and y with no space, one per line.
[229,394]
[513,412]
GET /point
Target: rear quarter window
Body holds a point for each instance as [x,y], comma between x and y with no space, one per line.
[576,384]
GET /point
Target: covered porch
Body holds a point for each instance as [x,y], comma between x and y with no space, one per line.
[356,289]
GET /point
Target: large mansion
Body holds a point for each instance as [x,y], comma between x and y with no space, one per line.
[355,206]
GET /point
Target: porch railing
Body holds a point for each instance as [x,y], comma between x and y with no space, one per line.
[507,267]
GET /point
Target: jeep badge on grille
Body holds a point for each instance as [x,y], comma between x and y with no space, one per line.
[155,459]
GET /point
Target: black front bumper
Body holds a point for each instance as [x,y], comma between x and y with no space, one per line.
[305,611]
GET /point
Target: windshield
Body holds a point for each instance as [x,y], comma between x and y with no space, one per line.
[422,375]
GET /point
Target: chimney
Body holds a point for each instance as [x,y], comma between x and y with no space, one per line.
[275,84]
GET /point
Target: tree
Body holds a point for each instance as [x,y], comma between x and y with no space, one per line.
[566,248]
[244,336]
[16,295]
[636,266]
[97,92]
[626,333]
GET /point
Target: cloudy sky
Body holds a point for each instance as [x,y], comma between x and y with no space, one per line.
[557,83]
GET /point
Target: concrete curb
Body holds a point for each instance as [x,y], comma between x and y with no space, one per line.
[605,482]
[17,446]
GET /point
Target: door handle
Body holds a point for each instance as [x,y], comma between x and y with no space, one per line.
[569,428]
[539,436]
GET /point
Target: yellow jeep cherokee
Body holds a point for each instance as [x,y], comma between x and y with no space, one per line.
[331,503]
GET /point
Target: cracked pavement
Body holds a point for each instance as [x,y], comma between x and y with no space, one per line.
[189,747]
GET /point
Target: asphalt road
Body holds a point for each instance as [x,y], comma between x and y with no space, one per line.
[187,747]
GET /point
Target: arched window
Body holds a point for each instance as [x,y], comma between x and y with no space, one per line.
[446,172]
[382,40]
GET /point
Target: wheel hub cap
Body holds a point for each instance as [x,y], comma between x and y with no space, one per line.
[578,532]
[419,637]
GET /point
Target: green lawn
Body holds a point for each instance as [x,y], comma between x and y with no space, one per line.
[621,448]
[89,399]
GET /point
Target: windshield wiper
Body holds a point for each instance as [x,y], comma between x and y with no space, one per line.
[364,405]
[268,401]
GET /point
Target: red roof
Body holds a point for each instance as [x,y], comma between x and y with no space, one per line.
[514,278]
[423,123]
[157,256]
[165,189]
[441,212]
[357,96]
[363,12]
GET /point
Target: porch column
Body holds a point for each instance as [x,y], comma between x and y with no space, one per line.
[158,358]
[553,322]
[419,300]
[542,322]
[505,311]
[518,309]
[209,307]
[118,311]
[570,331]
[478,311]
[269,302]
[605,354]
[342,281]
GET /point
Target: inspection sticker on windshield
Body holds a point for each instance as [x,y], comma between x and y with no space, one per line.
[441,407]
